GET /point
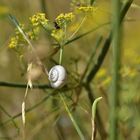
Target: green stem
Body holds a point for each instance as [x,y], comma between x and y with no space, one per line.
[100,125]
[107,43]
[90,61]
[61,55]
[94,108]
[72,119]
[43,6]
[116,47]
[86,33]
[78,28]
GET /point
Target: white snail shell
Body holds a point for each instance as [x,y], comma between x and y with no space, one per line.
[57,76]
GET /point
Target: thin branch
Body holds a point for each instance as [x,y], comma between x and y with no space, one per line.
[35,86]
[86,33]
[22,85]
[106,45]
[43,6]
[53,93]
[90,61]
[78,28]
[14,123]
[81,135]
[30,109]
[100,60]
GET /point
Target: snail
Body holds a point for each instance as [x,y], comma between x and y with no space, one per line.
[57,76]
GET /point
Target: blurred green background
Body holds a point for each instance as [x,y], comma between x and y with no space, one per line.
[42,121]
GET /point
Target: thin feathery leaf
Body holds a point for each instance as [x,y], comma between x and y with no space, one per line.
[14,123]
[16,23]
[94,106]
[78,28]
[29,109]
[72,118]
[86,33]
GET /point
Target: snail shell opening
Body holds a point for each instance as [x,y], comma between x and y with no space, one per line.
[57,76]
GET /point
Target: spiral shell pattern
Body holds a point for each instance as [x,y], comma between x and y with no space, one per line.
[57,76]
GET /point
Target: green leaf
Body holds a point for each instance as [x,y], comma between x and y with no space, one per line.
[94,106]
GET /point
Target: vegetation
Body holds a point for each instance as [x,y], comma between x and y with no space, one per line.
[96,42]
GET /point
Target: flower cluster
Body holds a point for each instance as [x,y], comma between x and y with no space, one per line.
[58,35]
[13,42]
[64,19]
[38,19]
[86,9]
[33,34]
[18,38]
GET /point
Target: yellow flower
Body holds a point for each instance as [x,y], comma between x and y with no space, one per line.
[86,9]
[58,35]
[13,42]
[38,19]
[64,19]
[33,34]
